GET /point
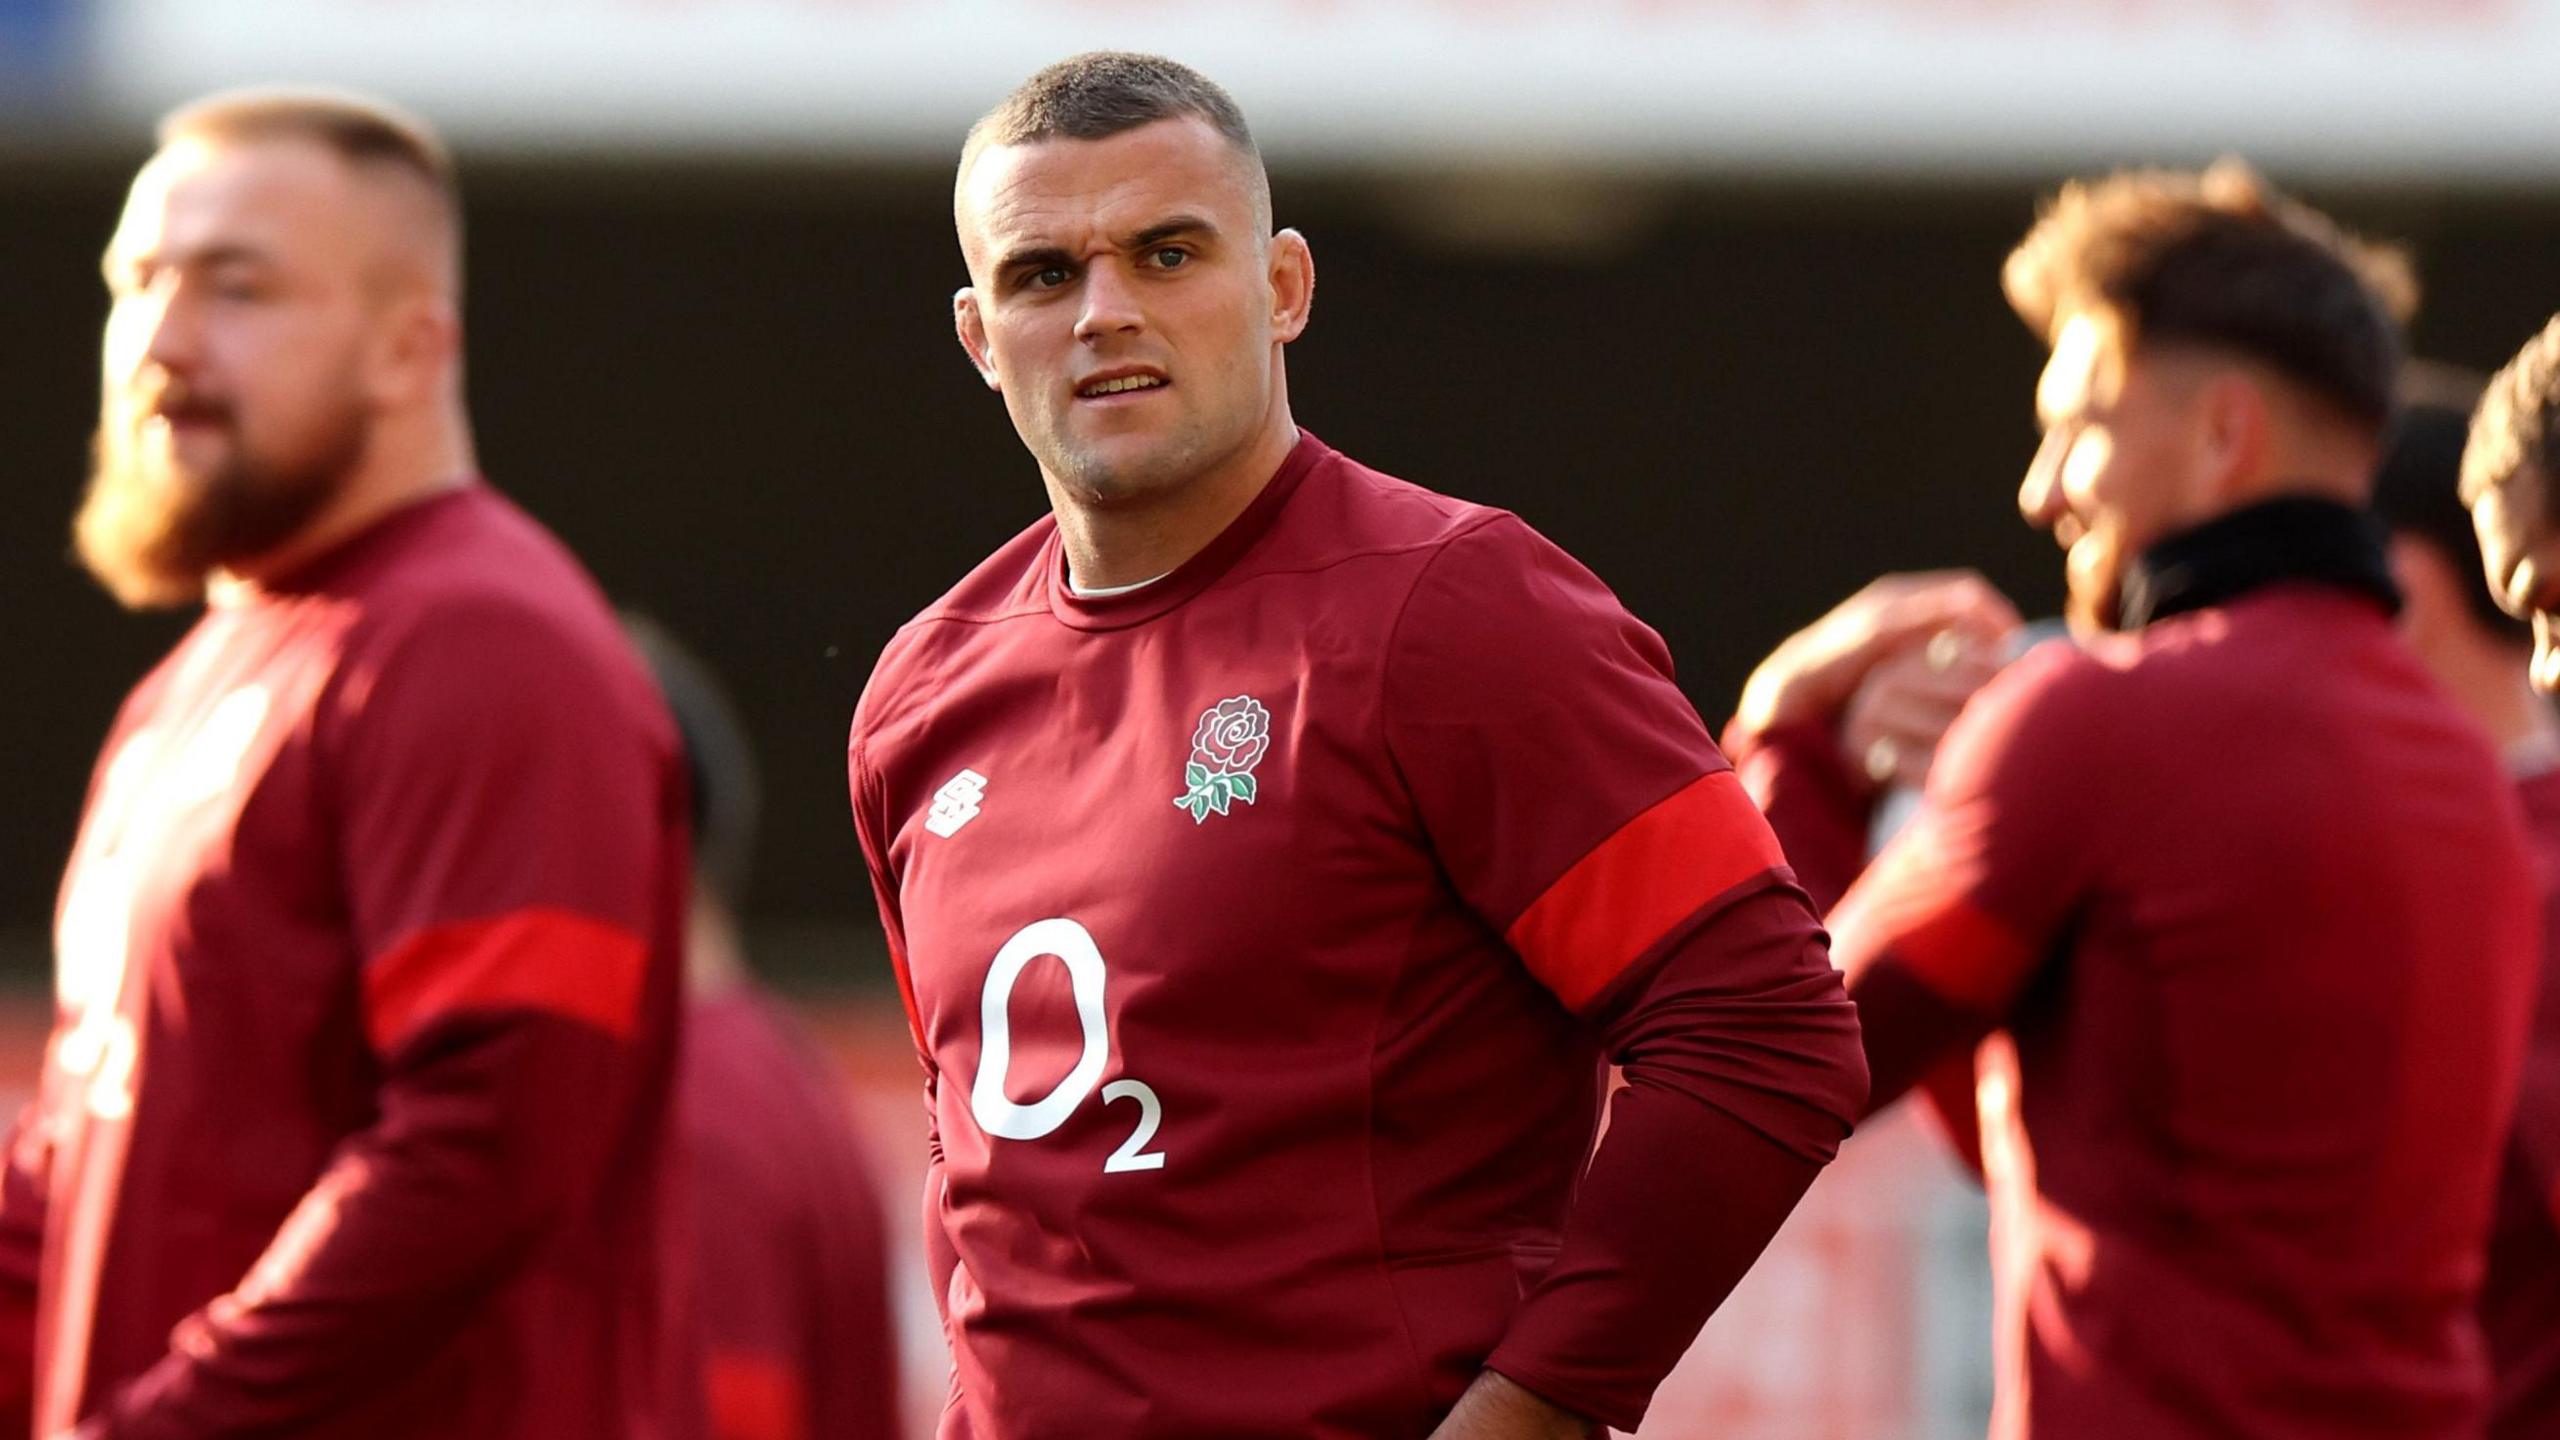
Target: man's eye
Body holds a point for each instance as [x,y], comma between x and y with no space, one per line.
[1049,278]
[1170,258]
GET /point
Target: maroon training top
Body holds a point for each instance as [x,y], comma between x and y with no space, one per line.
[2254,900]
[791,1274]
[1265,931]
[352,1120]
[2520,1305]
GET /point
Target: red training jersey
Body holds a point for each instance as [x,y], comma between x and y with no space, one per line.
[791,1274]
[2520,1303]
[1265,930]
[2253,899]
[353,1118]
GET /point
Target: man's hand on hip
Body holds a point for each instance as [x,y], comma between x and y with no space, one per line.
[1495,1408]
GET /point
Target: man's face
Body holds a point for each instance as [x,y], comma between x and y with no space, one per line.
[2520,553]
[1126,302]
[233,402]
[2124,463]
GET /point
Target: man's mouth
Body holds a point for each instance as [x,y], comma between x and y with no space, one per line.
[183,412]
[1119,385]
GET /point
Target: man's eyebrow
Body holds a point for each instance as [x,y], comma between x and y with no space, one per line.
[1171,228]
[118,262]
[1029,256]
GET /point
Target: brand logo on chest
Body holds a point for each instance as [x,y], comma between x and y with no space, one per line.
[956,803]
[1231,739]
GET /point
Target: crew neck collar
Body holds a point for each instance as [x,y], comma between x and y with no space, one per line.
[1146,602]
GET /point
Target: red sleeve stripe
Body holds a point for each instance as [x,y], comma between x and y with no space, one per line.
[1956,948]
[755,1397]
[555,961]
[1656,871]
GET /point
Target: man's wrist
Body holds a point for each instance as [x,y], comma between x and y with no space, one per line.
[1498,1406]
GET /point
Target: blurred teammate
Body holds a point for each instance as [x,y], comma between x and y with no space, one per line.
[2506,482]
[2249,892]
[2481,656]
[790,1273]
[1273,851]
[353,1118]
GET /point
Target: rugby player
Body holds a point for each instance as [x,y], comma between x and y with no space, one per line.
[2482,656]
[353,1119]
[1273,853]
[2249,892]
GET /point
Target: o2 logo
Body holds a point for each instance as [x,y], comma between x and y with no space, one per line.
[996,1112]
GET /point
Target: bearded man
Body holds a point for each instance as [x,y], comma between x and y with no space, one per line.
[352,1119]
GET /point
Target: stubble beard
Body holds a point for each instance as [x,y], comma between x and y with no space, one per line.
[152,535]
[1095,478]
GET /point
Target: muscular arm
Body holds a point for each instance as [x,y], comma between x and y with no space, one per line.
[1943,931]
[1741,1068]
[1821,812]
[509,834]
[488,1137]
[1575,800]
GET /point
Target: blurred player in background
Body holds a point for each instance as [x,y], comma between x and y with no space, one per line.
[2481,655]
[791,1274]
[1273,851]
[2252,896]
[354,1118]
[2506,482]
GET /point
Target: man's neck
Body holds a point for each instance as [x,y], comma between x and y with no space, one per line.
[1109,546]
[399,473]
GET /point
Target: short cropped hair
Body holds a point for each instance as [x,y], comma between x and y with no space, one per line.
[366,133]
[2516,423]
[1103,93]
[2219,258]
[2417,492]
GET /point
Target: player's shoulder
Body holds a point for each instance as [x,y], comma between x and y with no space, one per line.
[2059,688]
[1346,510]
[474,557]
[1006,588]
[477,594]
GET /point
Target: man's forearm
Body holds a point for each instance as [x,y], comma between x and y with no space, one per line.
[1740,1052]
[497,1137]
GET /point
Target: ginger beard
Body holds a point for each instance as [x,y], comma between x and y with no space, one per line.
[152,529]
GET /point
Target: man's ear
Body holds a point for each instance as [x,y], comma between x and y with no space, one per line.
[418,347]
[2237,429]
[972,329]
[1293,285]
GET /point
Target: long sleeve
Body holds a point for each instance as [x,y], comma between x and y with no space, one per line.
[1944,930]
[1823,818]
[1693,1178]
[1575,801]
[1798,778]
[509,834]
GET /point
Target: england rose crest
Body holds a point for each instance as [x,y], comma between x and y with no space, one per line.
[1229,743]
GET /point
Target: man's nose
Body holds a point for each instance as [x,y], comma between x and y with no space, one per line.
[1110,304]
[165,330]
[2546,655]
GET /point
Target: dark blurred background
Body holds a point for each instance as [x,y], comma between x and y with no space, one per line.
[722,368]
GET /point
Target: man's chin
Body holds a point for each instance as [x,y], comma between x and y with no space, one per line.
[1110,474]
